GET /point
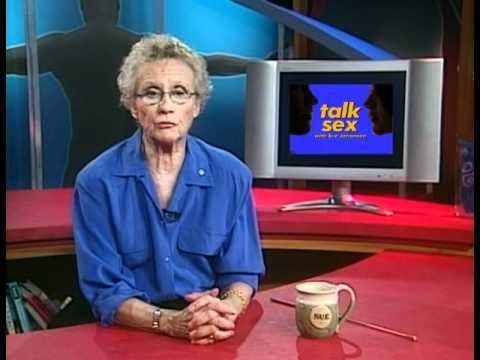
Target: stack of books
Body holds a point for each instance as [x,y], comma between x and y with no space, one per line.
[29,308]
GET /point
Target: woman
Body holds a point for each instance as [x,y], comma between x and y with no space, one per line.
[163,219]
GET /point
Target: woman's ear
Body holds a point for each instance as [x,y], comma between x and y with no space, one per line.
[196,109]
[133,111]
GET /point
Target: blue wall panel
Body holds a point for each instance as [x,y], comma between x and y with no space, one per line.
[222,27]
[52,16]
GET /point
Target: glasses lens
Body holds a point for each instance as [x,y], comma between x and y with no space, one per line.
[152,97]
[179,96]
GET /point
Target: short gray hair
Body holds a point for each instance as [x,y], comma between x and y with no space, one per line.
[158,47]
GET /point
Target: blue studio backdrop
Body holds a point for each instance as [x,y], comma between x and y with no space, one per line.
[210,27]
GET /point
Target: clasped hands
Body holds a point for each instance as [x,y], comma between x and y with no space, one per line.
[205,320]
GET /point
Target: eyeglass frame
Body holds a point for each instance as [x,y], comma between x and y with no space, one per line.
[162,94]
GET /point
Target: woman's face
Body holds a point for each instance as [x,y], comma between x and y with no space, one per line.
[301,102]
[166,122]
[379,114]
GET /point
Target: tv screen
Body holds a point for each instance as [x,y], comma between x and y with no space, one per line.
[342,119]
[352,120]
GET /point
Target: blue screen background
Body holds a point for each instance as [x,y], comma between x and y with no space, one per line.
[334,95]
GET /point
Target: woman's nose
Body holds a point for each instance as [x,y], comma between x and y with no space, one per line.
[165,104]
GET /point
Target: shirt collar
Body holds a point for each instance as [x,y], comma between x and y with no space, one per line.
[132,161]
[196,168]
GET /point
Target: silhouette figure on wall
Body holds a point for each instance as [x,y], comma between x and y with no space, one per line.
[86,62]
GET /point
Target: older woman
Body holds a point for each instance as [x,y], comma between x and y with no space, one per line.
[164,224]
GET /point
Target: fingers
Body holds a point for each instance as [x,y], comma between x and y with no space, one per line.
[211,319]
[212,303]
[204,341]
[223,323]
[208,334]
[209,316]
[196,295]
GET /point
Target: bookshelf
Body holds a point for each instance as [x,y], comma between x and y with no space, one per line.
[56,276]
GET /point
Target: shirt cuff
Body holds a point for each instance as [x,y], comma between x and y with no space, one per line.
[226,280]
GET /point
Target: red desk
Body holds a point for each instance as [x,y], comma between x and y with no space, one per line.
[428,295]
[39,224]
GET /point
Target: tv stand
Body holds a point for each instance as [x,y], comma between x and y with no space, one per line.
[340,198]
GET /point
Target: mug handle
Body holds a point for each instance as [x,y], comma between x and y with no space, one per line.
[351,304]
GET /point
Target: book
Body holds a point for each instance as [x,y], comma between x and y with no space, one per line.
[24,320]
[37,304]
[9,317]
[52,305]
[13,312]
[35,316]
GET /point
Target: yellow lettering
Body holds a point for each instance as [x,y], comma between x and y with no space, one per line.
[338,125]
[327,125]
[351,125]
[334,112]
[347,110]
[324,110]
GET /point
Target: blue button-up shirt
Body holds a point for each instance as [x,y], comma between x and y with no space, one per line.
[128,245]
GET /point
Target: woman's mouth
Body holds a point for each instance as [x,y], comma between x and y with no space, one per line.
[164,125]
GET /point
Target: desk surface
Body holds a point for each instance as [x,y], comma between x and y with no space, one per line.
[428,295]
[37,218]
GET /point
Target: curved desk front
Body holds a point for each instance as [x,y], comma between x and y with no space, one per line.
[427,295]
[39,224]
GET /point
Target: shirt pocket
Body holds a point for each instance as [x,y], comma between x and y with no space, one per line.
[201,241]
[134,259]
[133,244]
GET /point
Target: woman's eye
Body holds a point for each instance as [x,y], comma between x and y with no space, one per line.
[152,94]
[179,92]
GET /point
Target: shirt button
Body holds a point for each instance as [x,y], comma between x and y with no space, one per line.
[167,259]
[201,172]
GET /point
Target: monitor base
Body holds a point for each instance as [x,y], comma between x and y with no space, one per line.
[340,198]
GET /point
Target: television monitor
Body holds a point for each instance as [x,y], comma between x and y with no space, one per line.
[344,120]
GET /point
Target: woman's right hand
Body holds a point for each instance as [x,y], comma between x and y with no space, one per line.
[211,320]
[202,322]
[175,323]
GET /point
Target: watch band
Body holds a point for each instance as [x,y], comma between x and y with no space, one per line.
[156,315]
[242,298]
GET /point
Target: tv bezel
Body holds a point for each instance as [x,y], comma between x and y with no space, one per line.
[422,129]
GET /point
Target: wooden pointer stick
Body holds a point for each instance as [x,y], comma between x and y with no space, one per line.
[358,322]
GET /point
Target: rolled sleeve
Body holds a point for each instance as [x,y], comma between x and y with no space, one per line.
[225,280]
[242,258]
[103,279]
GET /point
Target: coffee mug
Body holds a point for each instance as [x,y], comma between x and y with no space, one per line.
[316,308]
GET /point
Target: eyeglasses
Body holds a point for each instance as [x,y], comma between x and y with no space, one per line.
[154,97]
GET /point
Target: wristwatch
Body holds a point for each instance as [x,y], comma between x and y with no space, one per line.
[156,315]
